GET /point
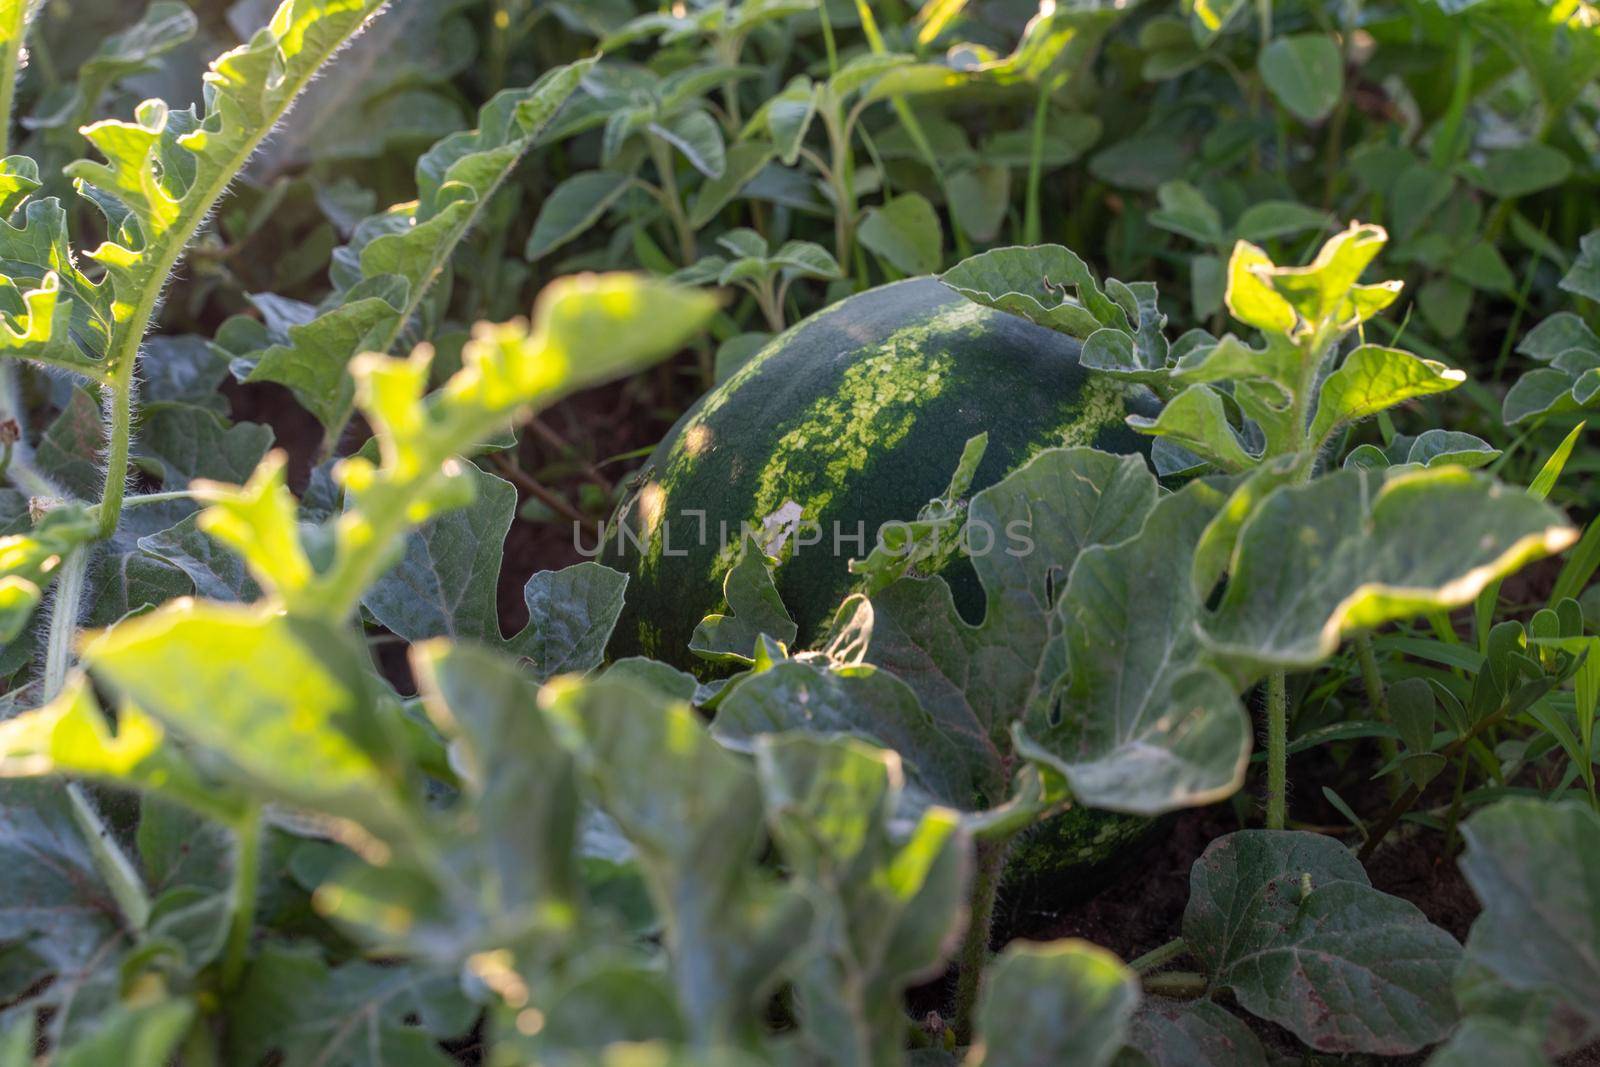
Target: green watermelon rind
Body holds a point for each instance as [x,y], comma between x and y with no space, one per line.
[909,371]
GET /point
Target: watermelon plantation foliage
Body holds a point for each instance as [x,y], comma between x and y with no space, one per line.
[236,827]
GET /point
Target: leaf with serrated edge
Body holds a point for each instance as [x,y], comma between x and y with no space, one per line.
[455,180]
[162,175]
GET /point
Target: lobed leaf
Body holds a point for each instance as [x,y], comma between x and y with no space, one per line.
[1289,923]
[1353,550]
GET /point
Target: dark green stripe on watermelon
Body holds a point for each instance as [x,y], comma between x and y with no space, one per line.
[857,415]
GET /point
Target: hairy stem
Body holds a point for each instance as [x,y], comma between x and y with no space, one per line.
[1159,957]
[246,868]
[63,624]
[1277,750]
[1182,985]
[974,954]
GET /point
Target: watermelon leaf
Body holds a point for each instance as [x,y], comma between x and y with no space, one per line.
[1355,549]
[755,610]
[1532,866]
[694,812]
[890,904]
[399,255]
[1289,923]
[929,542]
[163,173]
[1139,721]
[1484,1039]
[1046,284]
[1056,1002]
[1197,1033]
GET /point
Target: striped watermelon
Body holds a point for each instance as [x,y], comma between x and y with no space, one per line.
[852,418]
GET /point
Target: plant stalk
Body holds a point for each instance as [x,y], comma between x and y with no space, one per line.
[974,955]
[246,874]
[1159,957]
[63,624]
[1378,698]
[1277,750]
[1180,985]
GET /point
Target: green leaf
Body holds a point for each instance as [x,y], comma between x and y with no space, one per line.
[1542,391]
[1305,73]
[1584,277]
[1186,211]
[1197,420]
[1481,1039]
[288,702]
[356,1015]
[58,920]
[979,200]
[696,135]
[1532,865]
[1139,722]
[1326,289]
[521,813]
[1045,284]
[163,173]
[392,268]
[444,583]
[939,765]
[907,233]
[1271,219]
[30,561]
[788,116]
[1290,924]
[1514,172]
[1481,266]
[927,544]
[744,161]
[1373,379]
[190,442]
[573,207]
[891,905]
[806,259]
[1054,1002]
[1440,447]
[1353,550]
[71,735]
[165,25]
[755,609]
[1556,335]
[217,573]
[571,613]
[975,682]
[1197,1033]
[146,1034]
[1140,162]
[693,810]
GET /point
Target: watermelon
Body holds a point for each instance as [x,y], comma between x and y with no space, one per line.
[852,418]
